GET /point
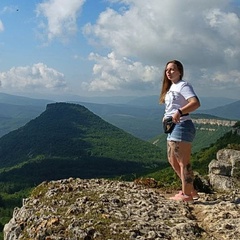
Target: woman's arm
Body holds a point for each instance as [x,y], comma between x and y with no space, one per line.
[192,105]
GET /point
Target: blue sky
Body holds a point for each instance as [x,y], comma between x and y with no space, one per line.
[55,48]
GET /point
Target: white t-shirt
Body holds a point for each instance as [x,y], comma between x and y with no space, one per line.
[177,97]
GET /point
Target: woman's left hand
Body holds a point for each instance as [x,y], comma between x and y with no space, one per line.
[176,117]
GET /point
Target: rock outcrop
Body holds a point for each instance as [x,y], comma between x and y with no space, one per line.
[74,209]
[218,122]
[224,172]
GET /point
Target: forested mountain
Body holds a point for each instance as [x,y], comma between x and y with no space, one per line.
[68,140]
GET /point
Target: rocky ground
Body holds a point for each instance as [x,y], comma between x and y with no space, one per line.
[74,209]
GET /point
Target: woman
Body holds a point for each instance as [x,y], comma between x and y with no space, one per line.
[180,99]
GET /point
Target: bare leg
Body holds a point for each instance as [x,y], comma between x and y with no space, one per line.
[183,156]
[172,158]
[179,154]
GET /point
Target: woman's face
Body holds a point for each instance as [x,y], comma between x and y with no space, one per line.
[172,72]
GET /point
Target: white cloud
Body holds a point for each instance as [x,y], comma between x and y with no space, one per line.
[221,79]
[61,17]
[201,34]
[1,26]
[37,77]
[155,28]
[113,73]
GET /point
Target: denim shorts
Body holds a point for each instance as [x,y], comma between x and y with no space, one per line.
[183,132]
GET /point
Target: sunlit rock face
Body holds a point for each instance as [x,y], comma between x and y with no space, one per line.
[224,172]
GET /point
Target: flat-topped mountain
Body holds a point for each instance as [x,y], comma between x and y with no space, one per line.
[68,140]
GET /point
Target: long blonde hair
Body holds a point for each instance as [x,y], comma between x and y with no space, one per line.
[166,84]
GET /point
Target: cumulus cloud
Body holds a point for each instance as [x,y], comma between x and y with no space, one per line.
[113,73]
[59,17]
[202,34]
[36,77]
[221,79]
[159,29]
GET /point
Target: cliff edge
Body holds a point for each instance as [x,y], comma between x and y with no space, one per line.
[103,209]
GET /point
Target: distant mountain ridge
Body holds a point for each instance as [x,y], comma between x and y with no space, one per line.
[144,101]
[206,102]
[229,111]
[139,116]
[20,100]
